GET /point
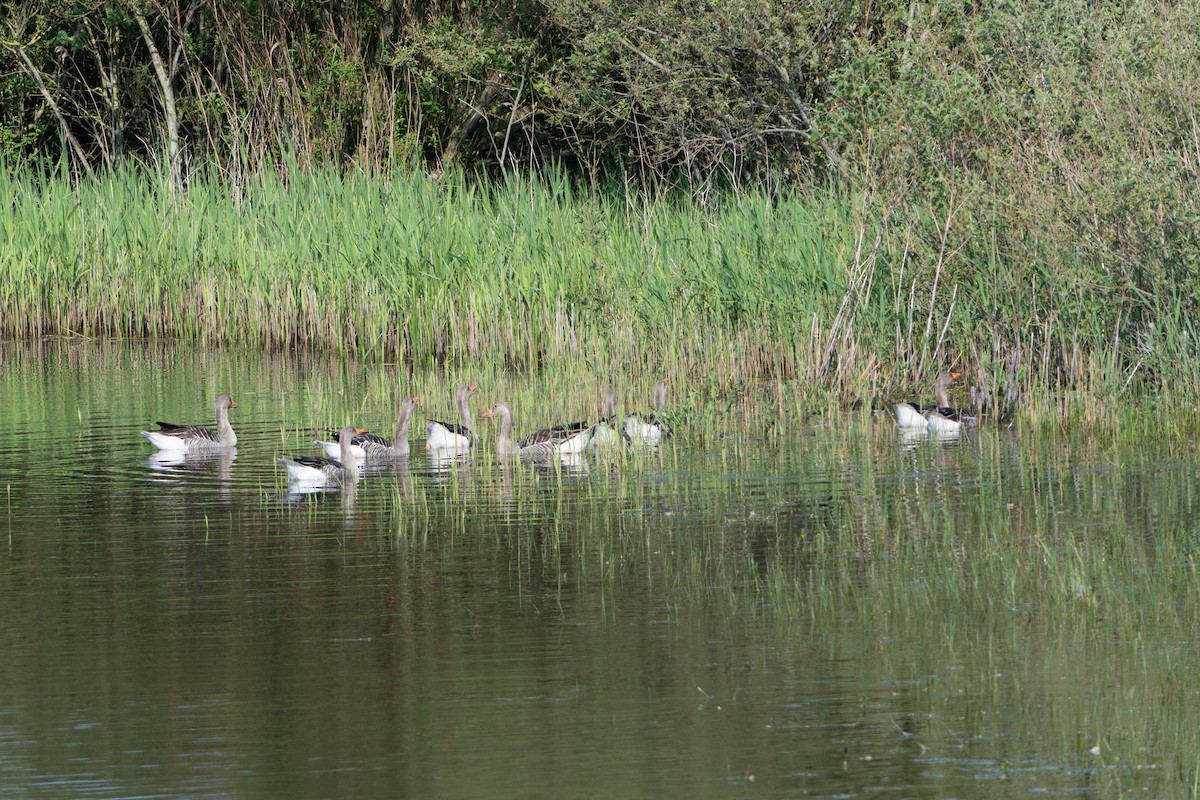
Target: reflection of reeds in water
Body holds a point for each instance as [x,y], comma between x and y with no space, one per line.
[1043,576]
[983,518]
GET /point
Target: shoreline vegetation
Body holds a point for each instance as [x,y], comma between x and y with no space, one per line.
[843,198]
[820,291]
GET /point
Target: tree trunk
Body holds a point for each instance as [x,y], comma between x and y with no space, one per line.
[36,74]
[172,116]
[115,126]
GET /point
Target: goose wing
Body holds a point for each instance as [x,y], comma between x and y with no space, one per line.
[454,427]
[370,438]
[190,432]
[316,462]
[554,434]
[960,415]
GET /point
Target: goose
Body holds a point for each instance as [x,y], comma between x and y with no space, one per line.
[604,433]
[370,447]
[940,418]
[950,420]
[649,428]
[316,471]
[538,445]
[447,435]
[193,438]
[573,437]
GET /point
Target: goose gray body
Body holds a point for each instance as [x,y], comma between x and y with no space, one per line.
[376,449]
[317,471]
[938,418]
[539,445]
[648,428]
[449,435]
[194,438]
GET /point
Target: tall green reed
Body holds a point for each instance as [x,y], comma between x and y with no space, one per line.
[825,294]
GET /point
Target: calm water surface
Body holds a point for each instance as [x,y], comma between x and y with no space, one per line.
[830,613]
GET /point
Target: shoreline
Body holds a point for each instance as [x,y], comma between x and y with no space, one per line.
[817,289]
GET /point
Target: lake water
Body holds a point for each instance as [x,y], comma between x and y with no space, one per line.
[830,611]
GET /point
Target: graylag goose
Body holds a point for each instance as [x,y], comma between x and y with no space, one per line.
[373,448]
[648,428]
[541,444]
[193,438]
[939,418]
[573,437]
[316,471]
[449,436]
[950,420]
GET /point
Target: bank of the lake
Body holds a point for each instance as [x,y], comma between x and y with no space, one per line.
[829,292]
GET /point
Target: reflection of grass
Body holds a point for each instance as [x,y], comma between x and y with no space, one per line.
[1039,585]
[1032,594]
[1064,583]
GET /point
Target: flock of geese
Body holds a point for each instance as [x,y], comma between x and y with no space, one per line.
[354,448]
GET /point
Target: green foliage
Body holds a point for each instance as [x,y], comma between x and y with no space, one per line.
[15,139]
[816,288]
[336,95]
[524,272]
[1031,164]
[1059,127]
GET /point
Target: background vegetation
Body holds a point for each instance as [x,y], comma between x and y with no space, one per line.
[1026,169]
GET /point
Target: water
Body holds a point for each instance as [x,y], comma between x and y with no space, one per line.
[834,613]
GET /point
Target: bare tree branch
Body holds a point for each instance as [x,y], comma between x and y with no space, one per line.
[38,78]
[168,94]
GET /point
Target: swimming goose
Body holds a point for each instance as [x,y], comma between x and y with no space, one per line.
[940,418]
[316,471]
[447,435]
[649,428]
[947,419]
[573,437]
[540,444]
[605,434]
[193,438]
[370,447]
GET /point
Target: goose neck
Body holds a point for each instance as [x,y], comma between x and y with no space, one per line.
[504,444]
[224,430]
[345,437]
[400,440]
[464,411]
[939,393]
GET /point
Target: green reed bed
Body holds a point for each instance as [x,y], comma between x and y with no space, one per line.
[418,270]
[800,303]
